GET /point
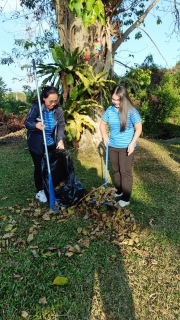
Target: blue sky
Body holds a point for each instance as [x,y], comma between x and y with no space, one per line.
[170,49]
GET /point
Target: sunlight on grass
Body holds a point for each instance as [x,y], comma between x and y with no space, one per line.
[109,278]
[161,153]
[97,303]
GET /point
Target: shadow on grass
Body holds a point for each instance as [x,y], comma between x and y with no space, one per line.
[97,283]
[155,198]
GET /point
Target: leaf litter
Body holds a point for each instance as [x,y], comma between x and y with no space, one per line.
[104,215]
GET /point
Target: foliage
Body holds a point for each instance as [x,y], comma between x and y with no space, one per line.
[31,95]
[88,11]
[66,68]
[17,107]
[79,86]
[112,16]
[12,102]
[3,91]
[156,94]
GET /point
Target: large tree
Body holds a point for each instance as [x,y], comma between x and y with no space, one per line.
[96,27]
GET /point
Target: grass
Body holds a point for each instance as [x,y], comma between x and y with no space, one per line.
[107,280]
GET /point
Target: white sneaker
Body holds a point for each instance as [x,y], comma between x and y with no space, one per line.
[41,196]
[118,195]
[123,203]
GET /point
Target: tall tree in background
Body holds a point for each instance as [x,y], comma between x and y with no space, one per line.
[97,28]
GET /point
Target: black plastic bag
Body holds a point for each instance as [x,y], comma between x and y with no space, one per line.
[62,171]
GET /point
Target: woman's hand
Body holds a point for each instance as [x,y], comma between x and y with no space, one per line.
[106,140]
[130,148]
[40,126]
[60,145]
[103,129]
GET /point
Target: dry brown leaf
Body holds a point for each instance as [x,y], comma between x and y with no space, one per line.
[131,242]
[84,242]
[79,230]
[16,276]
[8,235]
[30,237]
[31,229]
[77,248]
[46,217]
[69,254]
[178,276]
[24,314]
[43,300]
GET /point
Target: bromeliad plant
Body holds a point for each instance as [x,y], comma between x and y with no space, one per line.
[80,88]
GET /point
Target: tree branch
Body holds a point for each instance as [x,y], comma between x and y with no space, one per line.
[119,41]
[155,45]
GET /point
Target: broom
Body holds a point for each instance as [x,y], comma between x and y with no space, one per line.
[52,198]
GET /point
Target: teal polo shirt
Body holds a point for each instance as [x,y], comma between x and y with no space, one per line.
[122,139]
[49,122]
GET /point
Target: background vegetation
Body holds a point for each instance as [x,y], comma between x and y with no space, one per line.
[153,90]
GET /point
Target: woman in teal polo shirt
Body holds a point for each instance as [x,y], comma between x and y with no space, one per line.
[125,128]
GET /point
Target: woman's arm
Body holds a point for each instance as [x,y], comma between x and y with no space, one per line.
[31,121]
[138,131]
[60,129]
[103,129]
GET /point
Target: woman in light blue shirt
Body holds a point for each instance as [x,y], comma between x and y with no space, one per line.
[125,128]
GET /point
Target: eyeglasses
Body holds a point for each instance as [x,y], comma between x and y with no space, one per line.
[53,101]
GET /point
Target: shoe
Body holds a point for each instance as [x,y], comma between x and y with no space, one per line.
[123,203]
[41,196]
[118,195]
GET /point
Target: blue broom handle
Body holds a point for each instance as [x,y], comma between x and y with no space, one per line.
[41,116]
[106,166]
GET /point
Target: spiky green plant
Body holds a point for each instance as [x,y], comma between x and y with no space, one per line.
[81,89]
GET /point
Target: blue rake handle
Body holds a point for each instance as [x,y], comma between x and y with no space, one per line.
[106,167]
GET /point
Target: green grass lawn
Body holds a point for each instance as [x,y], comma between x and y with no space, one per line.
[119,264]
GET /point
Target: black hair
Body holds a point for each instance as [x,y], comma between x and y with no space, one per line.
[46,91]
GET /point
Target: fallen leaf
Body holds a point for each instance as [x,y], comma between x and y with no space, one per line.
[178,276]
[3,217]
[131,242]
[43,300]
[46,217]
[30,237]
[8,227]
[79,230]
[85,232]
[69,254]
[77,248]
[84,242]
[24,314]
[31,229]
[60,281]
[35,253]
[8,235]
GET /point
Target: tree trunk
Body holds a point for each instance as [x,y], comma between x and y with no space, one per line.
[73,35]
